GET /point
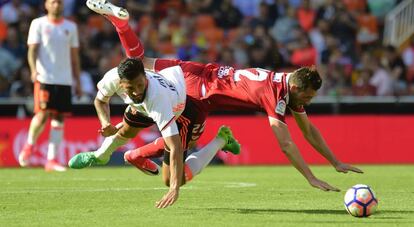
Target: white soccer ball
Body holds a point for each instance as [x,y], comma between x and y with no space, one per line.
[360,201]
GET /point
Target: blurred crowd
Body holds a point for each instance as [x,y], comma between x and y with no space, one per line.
[343,38]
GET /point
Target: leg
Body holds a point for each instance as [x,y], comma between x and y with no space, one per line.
[133,123]
[103,154]
[37,126]
[199,160]
[140,157]
[55,138]
[119,18]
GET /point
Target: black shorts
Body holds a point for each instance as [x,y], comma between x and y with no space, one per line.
[52,97]
[190,123]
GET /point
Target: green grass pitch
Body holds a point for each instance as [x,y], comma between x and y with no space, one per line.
[219,196]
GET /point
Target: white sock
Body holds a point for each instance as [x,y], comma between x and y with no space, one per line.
[199,160]
[109,145]
[55,138]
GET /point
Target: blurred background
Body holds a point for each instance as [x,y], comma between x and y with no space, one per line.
[364,50]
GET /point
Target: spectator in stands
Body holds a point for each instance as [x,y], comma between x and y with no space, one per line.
[395,66]
[227,16]
[381,79]
[344,28]
[22,87]
[13,11]
[281,30]
[361,85]
[306,15]
[14,44]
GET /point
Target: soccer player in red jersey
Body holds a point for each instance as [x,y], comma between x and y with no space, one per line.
[225,88]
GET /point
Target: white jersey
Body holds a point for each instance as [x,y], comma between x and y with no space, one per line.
[55,40]
[164,99]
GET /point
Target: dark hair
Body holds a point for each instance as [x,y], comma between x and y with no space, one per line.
[130,69]
[305,78]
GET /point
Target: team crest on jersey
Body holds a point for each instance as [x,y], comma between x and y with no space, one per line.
[281,107]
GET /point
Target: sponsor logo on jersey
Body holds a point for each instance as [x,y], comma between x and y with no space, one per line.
[281,107]
[223,71]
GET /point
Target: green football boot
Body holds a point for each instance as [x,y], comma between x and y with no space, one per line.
[83,160]
[232,145]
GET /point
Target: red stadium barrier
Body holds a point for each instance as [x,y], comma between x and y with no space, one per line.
[354,139]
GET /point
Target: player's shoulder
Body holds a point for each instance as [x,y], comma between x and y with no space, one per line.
[39,20]
[111,76]
[69,23]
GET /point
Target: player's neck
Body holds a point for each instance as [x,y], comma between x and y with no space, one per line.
[56,19]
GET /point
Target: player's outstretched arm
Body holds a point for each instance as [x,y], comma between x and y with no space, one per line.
[176,171]
[103,112]
[315,138]
[291,151]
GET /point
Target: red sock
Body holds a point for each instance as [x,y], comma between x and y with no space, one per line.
[130,42]
[151,150]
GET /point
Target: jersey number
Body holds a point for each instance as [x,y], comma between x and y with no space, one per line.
[256,75]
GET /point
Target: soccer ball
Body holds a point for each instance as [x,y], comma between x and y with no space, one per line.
[360,201]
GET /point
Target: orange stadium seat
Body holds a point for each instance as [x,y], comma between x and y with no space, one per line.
[96,22]
[214,35]
[204,22]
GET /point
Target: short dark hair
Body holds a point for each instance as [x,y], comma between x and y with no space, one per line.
[130,69]
[306,77]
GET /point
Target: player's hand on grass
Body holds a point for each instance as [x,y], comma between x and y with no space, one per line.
[168,199]
[344,168]
[322,185]
[108,130]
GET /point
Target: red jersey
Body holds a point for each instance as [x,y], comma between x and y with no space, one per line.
[225,88]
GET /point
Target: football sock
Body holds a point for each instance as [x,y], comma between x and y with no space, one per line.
[199,160]
[55,138]
[109,145]
[131,43]
[119,24]
[154,149]
[36,127]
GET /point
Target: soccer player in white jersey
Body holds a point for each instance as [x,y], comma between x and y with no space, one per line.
[53,58]
[154,98]
[226,88]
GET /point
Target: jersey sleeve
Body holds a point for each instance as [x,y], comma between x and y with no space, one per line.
[74,41]
[34,33]
[107,86]
[275,109]
[161,111]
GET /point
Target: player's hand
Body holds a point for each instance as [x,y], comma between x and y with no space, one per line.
[344,168]
[315,182]
[168,199]
[33,76]
[78,91]
[108,130]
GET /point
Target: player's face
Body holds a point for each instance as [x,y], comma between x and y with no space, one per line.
[54,7]
[301,97]
[135,88]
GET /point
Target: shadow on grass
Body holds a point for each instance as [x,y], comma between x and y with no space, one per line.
[382,214]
